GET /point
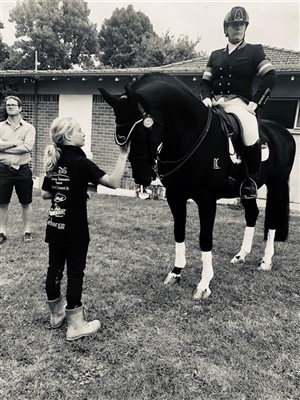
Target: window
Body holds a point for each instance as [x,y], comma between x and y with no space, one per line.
[285,112]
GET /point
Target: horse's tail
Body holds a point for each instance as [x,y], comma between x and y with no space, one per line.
[278,210]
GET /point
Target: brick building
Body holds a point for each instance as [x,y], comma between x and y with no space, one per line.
[48,94]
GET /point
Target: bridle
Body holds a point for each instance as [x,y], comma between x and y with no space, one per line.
[148,122]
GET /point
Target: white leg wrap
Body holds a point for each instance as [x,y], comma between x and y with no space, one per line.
[203,290]
[207,268]
[180,260]
[248,240]
[269,250]
[246,246]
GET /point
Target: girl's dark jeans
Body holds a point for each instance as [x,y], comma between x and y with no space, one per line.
[75,259]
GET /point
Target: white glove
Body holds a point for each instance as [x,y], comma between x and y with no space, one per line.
[207,102]
[251,107]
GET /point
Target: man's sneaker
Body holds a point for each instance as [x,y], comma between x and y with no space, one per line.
[2,238]
[27,237]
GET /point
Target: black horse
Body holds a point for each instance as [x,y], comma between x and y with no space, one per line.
[174,135]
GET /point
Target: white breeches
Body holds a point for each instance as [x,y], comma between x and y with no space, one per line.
[249,122]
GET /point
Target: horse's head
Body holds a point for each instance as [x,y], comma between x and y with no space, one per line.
[135,122]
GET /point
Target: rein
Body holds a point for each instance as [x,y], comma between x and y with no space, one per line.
[185,158]
[125,138]
[147,120]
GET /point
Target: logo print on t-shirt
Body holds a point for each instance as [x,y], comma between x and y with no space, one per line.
[59,197]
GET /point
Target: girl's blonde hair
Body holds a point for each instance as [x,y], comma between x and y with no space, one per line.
[59,129]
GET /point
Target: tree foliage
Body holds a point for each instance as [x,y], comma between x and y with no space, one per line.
[157,51]
[4,52]
[121,35]
[63,37]
[7,85]
[127,40]
[59,30]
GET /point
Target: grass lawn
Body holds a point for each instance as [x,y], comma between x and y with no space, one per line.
[242,343]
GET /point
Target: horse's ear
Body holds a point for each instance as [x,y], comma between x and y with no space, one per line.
[109,98]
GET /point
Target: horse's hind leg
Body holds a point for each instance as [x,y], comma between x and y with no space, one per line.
[276,219]
[266,262]
[251,214]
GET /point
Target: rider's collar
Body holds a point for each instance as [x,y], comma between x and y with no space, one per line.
[231,46]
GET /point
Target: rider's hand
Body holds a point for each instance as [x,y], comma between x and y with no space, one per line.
[251,107]
[207,102]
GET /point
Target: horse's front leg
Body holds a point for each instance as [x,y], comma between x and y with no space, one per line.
[207,214]
[246,246]
[178,209]
[251,214]
[203,291]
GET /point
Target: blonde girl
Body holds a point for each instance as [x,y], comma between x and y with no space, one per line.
[68,173]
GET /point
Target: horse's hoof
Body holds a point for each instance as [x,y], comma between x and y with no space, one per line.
[265,266]
[237,260]
[172,279]
[202,293]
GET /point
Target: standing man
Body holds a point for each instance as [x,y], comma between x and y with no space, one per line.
[16,142]
[228,82]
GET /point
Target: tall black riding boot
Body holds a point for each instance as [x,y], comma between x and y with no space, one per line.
[248,188]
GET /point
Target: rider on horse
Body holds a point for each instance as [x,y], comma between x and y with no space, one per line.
[227,82]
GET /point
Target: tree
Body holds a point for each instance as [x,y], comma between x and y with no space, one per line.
[181,50]
[127,40]
[156,51]
[7,85]
[4,53]
[151,52]
[59,30]
[121,35]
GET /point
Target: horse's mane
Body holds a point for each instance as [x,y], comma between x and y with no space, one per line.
[163,77]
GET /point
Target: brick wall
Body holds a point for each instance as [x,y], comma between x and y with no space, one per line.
[47,111]
[105,151]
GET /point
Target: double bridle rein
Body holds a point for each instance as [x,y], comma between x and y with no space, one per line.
[148,122]
[144,117]
[186,157]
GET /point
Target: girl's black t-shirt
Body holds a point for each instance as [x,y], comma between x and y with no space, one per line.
[67,221]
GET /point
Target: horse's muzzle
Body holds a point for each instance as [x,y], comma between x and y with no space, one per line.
[143,181]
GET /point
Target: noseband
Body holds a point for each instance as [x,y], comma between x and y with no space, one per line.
[147,120]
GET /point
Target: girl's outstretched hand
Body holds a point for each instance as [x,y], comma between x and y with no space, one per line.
[125,149]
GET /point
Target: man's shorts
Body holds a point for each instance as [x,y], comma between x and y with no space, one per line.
[20,179]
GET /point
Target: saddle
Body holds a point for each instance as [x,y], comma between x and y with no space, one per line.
[232,129]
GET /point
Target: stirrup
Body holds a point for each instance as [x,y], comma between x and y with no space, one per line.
[252,193]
